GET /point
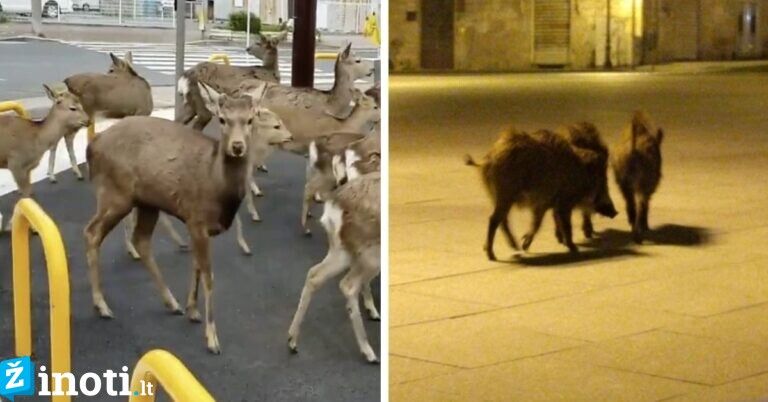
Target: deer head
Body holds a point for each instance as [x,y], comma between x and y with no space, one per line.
[122,66]
[236,117]
[66,109]
[352,66]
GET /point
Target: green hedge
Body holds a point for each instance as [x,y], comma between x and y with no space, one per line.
[237,22]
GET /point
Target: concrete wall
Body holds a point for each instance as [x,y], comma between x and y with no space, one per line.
[720,37]
[493,35]
[404,36]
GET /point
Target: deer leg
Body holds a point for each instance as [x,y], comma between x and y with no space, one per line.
[251,205]
[129,225]
[629,199]
[146,219]
[310,188]
[52,162]
[240,238]
[202,262]
[23,182]
[165,221]
[109,212]
[368,302]
[192,312]
[538,216]
[69,141]
[335,262]
[350,286]
[255,188]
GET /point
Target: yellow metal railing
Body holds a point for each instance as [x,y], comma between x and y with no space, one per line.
[219,57]
[26,214]
[14,106]
[161,367]
[325,56]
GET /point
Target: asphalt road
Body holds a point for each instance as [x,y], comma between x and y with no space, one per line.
[681,317]
[26,64]
[255,298]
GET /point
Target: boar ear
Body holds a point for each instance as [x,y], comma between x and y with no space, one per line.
[660,135]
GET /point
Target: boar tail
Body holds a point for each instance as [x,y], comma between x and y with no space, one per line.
[469,161]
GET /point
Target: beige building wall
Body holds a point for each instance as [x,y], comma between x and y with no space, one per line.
[404,35]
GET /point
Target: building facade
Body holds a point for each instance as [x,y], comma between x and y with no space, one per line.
[347,16]
[509,35]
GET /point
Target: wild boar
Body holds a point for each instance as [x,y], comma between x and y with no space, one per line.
[541,171]
[585,135]
[637,167]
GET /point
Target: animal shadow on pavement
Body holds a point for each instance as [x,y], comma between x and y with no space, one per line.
[563,258]
[613,243]
[667,235]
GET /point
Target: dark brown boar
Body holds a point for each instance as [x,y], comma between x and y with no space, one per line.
[637,166]
[541,171]
[585,135]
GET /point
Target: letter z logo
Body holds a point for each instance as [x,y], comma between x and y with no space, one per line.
[17,377]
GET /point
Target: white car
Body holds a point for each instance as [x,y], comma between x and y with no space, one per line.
[85,5]
[51,8]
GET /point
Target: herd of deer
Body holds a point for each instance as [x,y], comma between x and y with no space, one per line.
[144,165]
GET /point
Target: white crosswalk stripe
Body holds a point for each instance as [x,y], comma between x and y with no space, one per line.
[161,57]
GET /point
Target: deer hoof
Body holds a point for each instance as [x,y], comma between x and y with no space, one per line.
[292,345]
[52,179]
[255,218]
[194,316]
[104,312]
[372,359]
[214,349]
[307,233]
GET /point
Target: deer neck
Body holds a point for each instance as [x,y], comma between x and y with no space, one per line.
[270,61]
[51,130]
[230,175]
[341,95]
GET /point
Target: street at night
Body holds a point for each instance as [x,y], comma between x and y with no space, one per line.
[681,317]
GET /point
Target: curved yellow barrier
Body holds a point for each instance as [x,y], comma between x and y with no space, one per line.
[28,213]
[14,106]
[163,368]
[216,57]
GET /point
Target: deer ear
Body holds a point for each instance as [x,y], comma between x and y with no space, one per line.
[51,94]
[115,60]
[346,51]
[128,58]
[211,98]
[660,135]
[263,39]
[283,35]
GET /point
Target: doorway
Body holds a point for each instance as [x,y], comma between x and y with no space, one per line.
[437,34]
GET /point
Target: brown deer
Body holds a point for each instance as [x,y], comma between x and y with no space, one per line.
[226,79]
[119,93]
[352,221]
[23,142]
[158,165]
[330,159]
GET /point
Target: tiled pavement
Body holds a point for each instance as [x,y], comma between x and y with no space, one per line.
[682,318]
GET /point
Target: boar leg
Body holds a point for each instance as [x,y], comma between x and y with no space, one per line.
[508,233]
[538,216]
[563,219]
[629,199]
[499,215]
[586,224]
[641,219]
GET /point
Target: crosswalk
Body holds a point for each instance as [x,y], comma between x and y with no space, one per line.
[161,57]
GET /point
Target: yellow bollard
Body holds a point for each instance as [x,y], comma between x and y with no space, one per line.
[325,56]
[216,57]
[26,214]
[14,106]
[160,367]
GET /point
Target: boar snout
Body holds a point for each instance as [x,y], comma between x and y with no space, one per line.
[607,209]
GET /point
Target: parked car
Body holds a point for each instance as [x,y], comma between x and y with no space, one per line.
[85,5]
[51,8]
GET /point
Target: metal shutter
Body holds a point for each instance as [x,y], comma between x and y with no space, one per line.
[552,31]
